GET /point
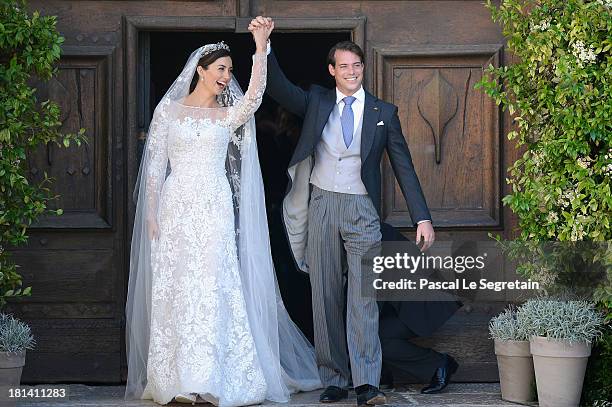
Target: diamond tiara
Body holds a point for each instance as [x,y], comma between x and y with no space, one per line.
[208,48]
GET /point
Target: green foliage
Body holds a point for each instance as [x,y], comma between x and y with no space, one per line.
[29,48]
[572,321]
[508,326]
[559,92]
[15,336]
[579,269]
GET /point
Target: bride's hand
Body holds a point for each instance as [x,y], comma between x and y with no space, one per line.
[261,27]
[152,229]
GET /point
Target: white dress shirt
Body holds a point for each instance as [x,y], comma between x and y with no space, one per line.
[357,105]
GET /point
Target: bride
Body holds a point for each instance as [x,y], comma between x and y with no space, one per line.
[205,320]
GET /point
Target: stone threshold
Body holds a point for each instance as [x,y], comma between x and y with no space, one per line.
[455,395]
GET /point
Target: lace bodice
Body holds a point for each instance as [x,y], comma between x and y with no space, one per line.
[194,140]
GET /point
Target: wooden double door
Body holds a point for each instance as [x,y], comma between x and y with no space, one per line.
[118,57]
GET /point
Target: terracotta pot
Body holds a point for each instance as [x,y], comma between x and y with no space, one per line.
[515,365]
[559,370]
[11,365]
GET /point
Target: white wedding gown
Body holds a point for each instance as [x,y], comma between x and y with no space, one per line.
[200,340]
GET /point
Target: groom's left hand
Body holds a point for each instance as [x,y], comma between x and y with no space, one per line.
[426,233]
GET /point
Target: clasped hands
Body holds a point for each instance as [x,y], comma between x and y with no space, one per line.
[261,28]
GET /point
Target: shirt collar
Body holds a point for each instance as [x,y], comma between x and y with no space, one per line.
[359,95]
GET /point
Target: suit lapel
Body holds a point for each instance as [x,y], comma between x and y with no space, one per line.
[325,108]
[371,111]
[326,104]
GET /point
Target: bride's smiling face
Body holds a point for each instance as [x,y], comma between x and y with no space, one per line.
[217,75]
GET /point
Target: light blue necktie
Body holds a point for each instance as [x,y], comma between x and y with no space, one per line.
[347,119]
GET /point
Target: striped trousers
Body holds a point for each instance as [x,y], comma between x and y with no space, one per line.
[342,228]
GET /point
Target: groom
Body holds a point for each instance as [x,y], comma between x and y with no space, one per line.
[332,211]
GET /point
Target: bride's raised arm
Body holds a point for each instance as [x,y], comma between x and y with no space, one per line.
[245,108]
[248,105]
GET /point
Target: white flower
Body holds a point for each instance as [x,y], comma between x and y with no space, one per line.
[607,169]
[537,158]
[566,198]
[583,54]
[578,228]
[605,3]
[543,26]
[552,217]
[584,162]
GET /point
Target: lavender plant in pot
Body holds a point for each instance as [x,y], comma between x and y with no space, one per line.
[15,339]
[562,333]
[514,362]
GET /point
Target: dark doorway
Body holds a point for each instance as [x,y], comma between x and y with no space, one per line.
[303,58]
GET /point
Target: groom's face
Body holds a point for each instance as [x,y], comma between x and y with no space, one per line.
[348,71]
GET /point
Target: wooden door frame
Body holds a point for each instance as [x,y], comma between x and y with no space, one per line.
[133,25]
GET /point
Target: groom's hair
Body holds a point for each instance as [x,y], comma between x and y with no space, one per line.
[344,46]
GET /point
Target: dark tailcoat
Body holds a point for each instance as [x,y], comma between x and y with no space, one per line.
[381,131]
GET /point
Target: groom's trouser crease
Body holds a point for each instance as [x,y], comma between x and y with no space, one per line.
[343,221]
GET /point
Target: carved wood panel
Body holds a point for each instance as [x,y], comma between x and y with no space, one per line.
[452,131]
[81,174]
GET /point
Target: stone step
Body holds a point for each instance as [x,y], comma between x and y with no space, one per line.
[455,395]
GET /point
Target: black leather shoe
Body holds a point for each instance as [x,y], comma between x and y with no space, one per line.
[333,394]
[368,395]
[442,376]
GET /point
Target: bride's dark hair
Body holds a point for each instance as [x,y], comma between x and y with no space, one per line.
[205,62]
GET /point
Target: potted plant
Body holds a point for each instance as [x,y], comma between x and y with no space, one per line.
[15,339]
[562,332]
[514,360]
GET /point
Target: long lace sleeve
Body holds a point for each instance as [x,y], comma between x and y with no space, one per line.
[156,156]
[246,107]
